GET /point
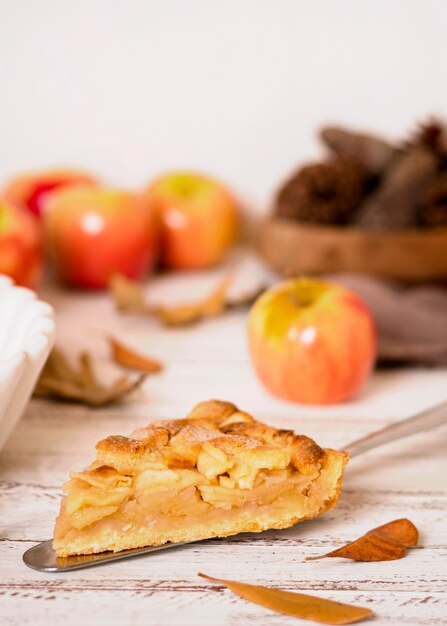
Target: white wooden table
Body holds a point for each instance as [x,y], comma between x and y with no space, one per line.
[210,360]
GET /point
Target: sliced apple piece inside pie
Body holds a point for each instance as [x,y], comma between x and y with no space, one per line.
[216,473]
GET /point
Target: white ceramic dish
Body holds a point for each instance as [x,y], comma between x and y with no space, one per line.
[27,334]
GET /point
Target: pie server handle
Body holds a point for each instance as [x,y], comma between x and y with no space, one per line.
[430,418]
[42,557]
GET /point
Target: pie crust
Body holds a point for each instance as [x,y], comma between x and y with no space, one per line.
[216,473]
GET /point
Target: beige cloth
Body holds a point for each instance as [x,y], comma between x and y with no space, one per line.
[411,321]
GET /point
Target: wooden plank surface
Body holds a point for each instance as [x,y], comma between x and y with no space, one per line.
[211,360]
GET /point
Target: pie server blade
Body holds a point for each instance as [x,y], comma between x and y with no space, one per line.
[42,557]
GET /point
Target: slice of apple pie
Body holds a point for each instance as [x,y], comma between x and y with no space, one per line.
[216,473]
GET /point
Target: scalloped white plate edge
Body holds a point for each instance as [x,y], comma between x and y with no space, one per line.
[19,373]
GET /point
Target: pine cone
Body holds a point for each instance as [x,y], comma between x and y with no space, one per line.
[431,135]
[323,193]
[371,152]
[394,205]
[433,210]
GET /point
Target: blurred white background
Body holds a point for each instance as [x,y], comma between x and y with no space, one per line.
[236,88]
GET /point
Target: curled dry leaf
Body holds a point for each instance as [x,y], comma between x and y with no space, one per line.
[61,380]
[296,604]
[210,306]
[130,296]
[384,543]
[126,357]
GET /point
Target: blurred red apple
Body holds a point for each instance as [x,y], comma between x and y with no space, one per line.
[198,219]
[311,342]
[92,233]
[34,189]
[20,245]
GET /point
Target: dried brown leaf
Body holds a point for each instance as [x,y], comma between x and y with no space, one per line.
[130,296]
[127,357]
[384,543]
[183,314]
[62,381]
[400,530]
[296,604]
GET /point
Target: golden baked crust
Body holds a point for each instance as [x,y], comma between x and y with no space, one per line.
[215,473]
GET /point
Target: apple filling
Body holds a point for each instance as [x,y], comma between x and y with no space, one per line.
[216,473]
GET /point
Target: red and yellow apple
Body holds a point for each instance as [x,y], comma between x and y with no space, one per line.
[20,245]
[33,190]
[198,219]
[311,342]
[92,233]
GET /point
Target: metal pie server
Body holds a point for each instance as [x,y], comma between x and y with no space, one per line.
[43,558]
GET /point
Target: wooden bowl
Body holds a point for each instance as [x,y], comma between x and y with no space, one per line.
[409,255]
